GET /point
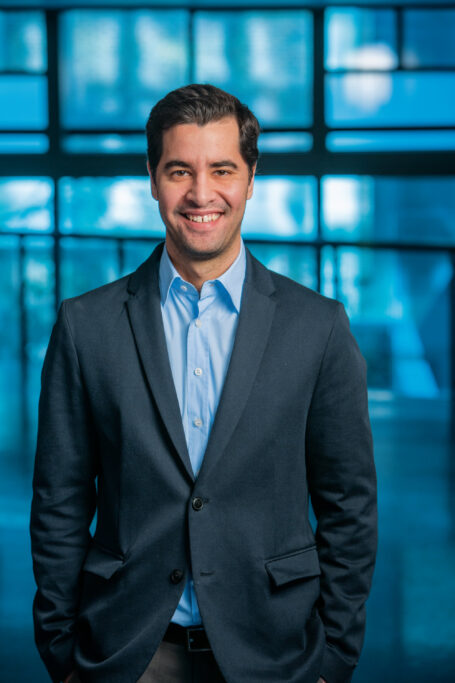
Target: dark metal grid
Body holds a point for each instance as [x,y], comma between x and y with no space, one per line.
[318,162]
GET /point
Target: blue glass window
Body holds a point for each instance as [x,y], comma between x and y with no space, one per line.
[384,209]
[105,144]
[115,206]
[282,207]
[23,102]
[358,38]
[39,287]
[429,38]
[115,64]
[27,204]
[23,42]
[296,262]
[393,140]
[23,143]
[264,58]
[87,263]
[135,253]
[285,142]
[396,301]
[10,340]
[394,99]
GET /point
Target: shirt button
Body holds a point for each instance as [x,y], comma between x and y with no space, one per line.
[176,576]
[198,323]
[197,504]
[198,372]
[197,422]
[183,287]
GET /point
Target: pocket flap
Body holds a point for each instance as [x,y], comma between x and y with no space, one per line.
[297,565]
[101,562]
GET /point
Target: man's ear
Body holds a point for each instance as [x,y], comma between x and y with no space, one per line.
[152,182]
[251,183]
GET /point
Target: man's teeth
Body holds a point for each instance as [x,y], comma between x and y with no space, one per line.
[203,219]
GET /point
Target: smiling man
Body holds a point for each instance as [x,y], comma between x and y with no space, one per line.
[196,405]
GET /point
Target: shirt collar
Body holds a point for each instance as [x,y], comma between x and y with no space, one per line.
[232,279]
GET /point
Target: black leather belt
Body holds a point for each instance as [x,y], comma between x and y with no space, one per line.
[194,638]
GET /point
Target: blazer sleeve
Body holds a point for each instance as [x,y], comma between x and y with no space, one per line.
[342,481]
[64,496]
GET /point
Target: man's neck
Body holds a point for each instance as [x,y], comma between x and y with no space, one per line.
[198,272]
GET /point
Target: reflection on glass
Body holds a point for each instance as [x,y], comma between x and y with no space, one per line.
[115,64]
[399,306]
[119,206]
[296,262]
[393,141]
[10,346]
[285,142]
[105,144]
[135,253]
[358,38]
[87,263]
[265,58]
[23,102]
[389,209]
[396,99]
[39,284]
[23,41]
[429,37]
[27,204]
[282,207]
[23,143]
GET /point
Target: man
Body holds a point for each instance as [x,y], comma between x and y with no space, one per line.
[208,397]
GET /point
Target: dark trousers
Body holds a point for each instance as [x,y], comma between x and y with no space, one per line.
[174,664]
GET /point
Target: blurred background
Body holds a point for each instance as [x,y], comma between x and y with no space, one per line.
[355,197]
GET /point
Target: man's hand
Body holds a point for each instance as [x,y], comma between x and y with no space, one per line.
[72,678]
[322,680]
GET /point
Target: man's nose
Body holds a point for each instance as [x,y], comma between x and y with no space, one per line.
[201,191]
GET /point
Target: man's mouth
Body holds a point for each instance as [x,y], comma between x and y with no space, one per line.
[206,218]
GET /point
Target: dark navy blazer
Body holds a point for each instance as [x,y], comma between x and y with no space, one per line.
[279,602]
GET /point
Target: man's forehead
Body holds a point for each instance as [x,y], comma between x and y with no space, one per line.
[206,141]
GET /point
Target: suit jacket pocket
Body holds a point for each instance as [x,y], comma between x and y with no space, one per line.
[102,562]
[301,564]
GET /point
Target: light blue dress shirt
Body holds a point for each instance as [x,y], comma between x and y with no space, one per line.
[200,330]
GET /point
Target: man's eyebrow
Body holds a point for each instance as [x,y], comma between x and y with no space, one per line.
[223,163]
[176,162]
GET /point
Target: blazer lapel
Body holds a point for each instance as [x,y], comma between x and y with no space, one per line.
[144,311]
[255,319]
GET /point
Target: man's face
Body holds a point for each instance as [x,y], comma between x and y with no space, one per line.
[202,184]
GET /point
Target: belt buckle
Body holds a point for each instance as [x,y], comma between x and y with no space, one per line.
[196,640]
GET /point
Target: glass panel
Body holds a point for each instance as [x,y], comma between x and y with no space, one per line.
[399,306]
[394,141]
[281,207]
[39,284]
[116,64]
[27,204]
[398,99]
[87,263]
[23,102]
[382,209]
[10,347]
[360,39]
[135,253]
[429,38]
[105,144]
[23,41]
[119,206]
[296,262]
[285,142]
[23,143]
[264,58]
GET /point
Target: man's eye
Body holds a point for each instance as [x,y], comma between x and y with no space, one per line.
[180,172]
[222,171]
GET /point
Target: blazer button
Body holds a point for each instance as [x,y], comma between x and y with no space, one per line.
[176,576]
[197,504]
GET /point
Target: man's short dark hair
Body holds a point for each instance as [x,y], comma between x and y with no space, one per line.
[200,104]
